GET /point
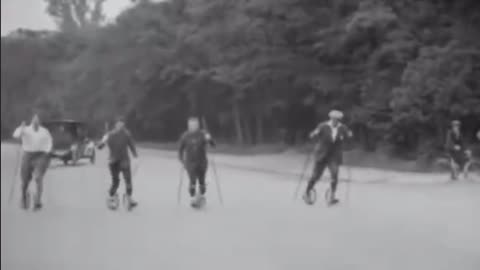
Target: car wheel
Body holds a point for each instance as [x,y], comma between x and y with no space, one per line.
[75,159]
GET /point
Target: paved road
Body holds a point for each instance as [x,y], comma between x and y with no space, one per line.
[381,227]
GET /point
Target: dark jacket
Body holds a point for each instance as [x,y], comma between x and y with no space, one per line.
[326,148]
[453,140]
[193,147]
[118,143]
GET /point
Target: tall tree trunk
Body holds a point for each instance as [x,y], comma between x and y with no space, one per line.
[248,130]
[260,128]
[440,130]
[238,123]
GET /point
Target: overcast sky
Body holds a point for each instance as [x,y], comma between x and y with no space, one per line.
[31,14]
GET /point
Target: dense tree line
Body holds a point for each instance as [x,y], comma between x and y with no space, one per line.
[257,70]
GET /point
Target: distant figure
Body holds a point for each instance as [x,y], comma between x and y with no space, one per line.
[37,145]
[329,138]
[456,148]
[119,140]
[192,153]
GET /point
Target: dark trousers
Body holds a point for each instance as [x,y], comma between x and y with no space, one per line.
[196,174]
[460,158]
[319,168]
[117,168]
[459,161]
[34,166]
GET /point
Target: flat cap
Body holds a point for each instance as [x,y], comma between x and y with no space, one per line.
[335,114]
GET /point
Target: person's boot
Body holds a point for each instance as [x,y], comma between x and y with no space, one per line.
[25,201]
[202,199]
[192,191]
[198,201]
[332,200]
[129,202]
[309,196]
[38,203]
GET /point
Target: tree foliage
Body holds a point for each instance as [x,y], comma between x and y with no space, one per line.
[257,70]
[73,15]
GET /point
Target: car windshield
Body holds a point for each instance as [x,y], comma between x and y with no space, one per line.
[62,137]
[65,133]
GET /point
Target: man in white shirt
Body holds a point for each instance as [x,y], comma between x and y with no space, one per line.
[37,146]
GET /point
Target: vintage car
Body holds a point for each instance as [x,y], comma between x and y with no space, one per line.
[70,141]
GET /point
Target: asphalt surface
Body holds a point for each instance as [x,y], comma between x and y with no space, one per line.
[380,227]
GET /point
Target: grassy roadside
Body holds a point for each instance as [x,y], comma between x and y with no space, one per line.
[264,149]
[357,158]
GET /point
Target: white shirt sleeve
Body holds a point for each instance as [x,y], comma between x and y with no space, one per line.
[315,131]
[104,139]
[17,134]
[49,141]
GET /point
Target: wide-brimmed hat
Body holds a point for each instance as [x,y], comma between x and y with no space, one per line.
[335,114]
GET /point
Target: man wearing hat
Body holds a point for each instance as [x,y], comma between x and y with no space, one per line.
[192,153]
[119,140]
[329,137]
[459,155]
[37,145]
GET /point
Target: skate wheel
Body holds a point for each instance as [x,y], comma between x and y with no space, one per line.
[113,204]
[194,204]
[198,203]
[311,197]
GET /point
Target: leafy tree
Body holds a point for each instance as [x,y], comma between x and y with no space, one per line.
[73,15]
[256,70]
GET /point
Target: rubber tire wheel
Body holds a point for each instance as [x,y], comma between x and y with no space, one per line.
[65,161]
[75,158]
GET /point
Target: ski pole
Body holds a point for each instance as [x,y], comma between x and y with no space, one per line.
[180,185]
[214,167]
[135,169]
[305,166]
[217,182]
[347,190]
[15,172]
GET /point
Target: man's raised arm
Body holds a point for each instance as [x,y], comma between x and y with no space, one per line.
[18,133]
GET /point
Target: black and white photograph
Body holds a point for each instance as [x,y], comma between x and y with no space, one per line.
[240,134]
